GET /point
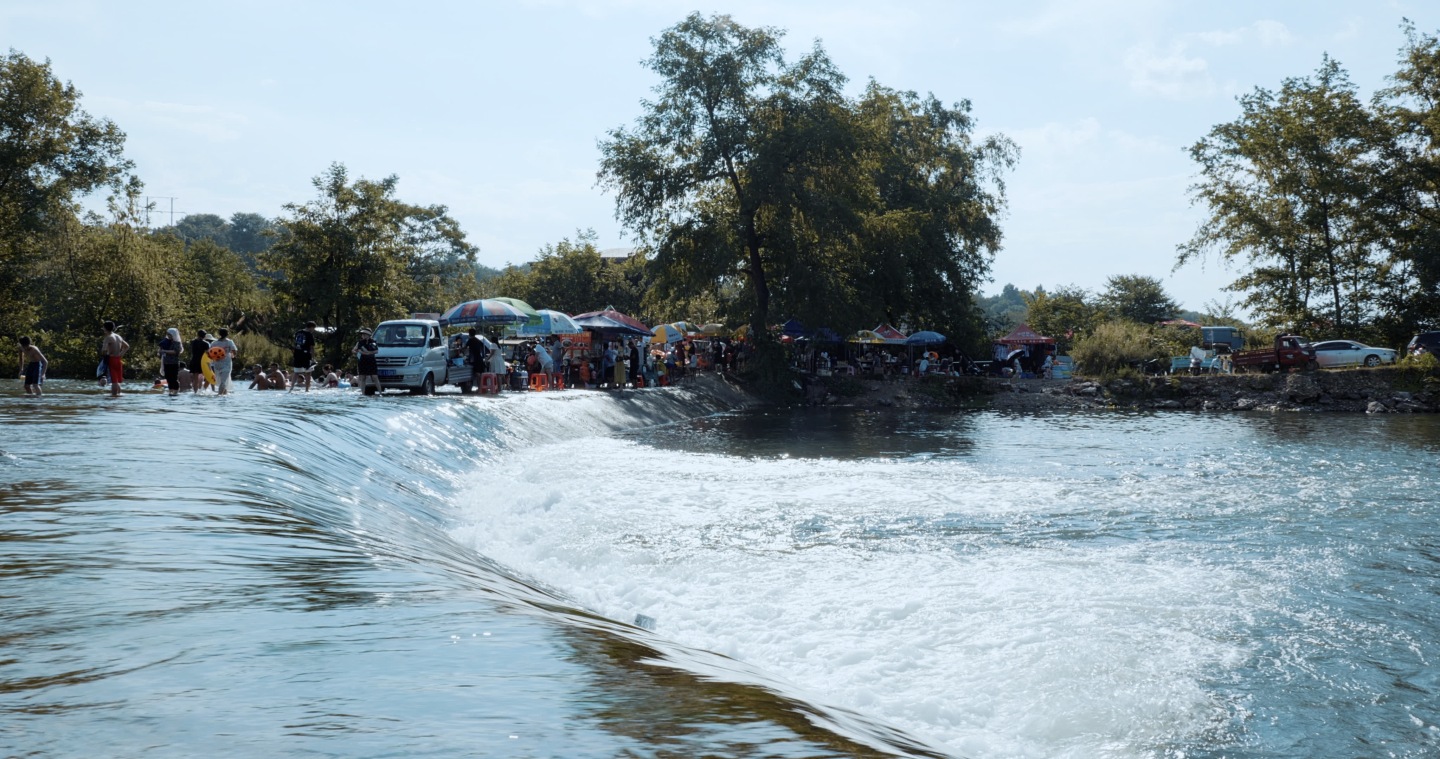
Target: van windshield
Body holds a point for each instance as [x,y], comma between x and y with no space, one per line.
[400,336]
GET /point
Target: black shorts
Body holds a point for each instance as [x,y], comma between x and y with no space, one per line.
[32,373]
[172,374]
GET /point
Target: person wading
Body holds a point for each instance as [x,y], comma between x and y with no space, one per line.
[114,347]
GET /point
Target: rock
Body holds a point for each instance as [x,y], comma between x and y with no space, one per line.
[1170,404]
[1246,404]
[1301,388]
[1376,407]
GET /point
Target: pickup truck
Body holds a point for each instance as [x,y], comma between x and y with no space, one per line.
[1289,352]
[414,355]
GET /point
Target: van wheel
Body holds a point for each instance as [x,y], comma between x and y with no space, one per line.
[465,388]
[427,386]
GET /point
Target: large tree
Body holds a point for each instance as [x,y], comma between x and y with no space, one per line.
[1285,186]
[755,182]
[357,255]
[1406,206]
[51,152]
[1137,298]
[703,174]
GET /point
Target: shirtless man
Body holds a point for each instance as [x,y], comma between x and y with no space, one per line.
[32,363]
[261,380]
[114,347]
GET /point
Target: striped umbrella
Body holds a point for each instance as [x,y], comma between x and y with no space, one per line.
[483,311]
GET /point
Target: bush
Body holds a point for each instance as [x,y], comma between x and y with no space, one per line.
[1116,346]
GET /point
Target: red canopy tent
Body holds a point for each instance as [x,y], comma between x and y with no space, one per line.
[1023,335]
[891,335]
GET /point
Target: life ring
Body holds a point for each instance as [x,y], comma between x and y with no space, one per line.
[205,366]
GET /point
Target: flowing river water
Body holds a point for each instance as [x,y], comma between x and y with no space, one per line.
[665,573]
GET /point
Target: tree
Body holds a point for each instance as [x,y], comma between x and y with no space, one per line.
[50,152]
[572,276]
[1137,298]
[1066,314]
[1285,185]
[701,172]
[1407,204]
[203,226]
[757,184]
[930,229]
[356,256]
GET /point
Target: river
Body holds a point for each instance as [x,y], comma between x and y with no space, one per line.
[664,573]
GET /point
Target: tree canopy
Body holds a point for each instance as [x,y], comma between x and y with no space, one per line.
[1328,206]
[756,179]
[358,255]
[51,152]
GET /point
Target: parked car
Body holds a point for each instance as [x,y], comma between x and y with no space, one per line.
[1425,341]
[1331,353]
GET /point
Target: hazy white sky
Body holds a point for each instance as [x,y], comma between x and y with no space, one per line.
[495,109]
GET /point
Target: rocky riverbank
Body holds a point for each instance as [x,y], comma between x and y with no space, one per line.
[1374,391]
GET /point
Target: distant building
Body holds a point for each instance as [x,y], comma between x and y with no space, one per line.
[618,255]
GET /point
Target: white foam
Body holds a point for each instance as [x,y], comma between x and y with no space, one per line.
[923,593]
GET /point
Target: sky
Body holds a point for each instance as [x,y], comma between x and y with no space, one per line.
[496,109]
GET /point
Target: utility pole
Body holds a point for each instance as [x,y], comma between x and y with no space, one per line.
[148,205]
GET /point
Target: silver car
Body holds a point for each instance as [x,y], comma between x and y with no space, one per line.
[1332,353]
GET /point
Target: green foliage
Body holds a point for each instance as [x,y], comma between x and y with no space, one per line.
[1066,314]
[572,276]
[52,151]
[1115,346]
[1137,298]
[754,179]
[1285,185]
[247,234]
[1329,206]
[1005,311]
[356,256]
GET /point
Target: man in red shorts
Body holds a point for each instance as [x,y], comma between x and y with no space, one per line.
[114,347]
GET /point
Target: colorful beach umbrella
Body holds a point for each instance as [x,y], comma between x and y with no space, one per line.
[519,305]
[667,333]
[548,322]
[712,329]
[868,337]
[610,320]
[686,327]
[483,311]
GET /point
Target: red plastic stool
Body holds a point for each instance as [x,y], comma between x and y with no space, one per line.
[490,383]
[540,381]
[557,382]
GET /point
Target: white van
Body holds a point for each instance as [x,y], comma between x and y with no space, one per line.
[414,356]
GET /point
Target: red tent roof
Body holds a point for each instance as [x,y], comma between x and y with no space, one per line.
[1023,335]
[888,332]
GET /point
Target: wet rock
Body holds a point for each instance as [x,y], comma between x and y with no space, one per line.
[1246,404]
[1376,407]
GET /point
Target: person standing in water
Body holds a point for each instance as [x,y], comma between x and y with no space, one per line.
[198,346]
[114,347]
[32,363]
[365,350]
[224,366]
[171,349]
[303,359]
